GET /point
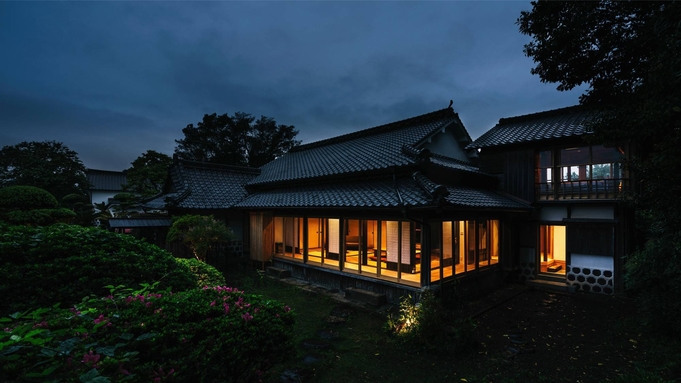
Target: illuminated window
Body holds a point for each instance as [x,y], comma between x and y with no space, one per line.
[288,238]
[581,172]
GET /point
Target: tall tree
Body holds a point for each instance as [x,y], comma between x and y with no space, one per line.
[148,173]
[236,140]
[48,165]
[629,55]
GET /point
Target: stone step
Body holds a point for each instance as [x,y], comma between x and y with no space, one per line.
[278,272]
[544,285]
[551,277]
[364,296]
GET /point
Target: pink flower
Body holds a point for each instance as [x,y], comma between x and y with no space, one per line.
[226,307]
[100,319]
[123,370]
[212,303]
[91,358]
[287,309]
[247,317]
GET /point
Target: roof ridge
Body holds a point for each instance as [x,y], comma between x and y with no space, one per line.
[376,129]
[213,165]
[545,113]
[106,171]
[462,162]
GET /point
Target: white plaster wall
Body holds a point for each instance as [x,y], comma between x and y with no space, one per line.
[446,145]
[593,212]
[553,213]
[99,196]
[600,262]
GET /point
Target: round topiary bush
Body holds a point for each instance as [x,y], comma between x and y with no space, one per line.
[26,198]
[41,266]
[29,205]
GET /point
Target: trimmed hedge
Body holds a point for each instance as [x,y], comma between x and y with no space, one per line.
[40,266]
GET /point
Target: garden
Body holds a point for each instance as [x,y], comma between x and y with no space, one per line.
[86,305]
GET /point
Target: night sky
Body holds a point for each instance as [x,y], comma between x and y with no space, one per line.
[112,80]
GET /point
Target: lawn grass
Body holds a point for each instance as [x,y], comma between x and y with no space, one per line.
[361,351]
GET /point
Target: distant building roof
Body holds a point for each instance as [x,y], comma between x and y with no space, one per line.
[201,185]
[106,179]
[557,123]
[377,148]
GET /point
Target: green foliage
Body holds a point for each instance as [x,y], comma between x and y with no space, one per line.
[148,173]
[427,325]
[200,233]
[81,206]
[201,335]
[236,140]
[127,202]
[654,276]
[48,165]
[62,263]
[205,274]
[29,205]
[26,198]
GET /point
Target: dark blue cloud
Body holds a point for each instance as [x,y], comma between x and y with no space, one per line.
[113,79]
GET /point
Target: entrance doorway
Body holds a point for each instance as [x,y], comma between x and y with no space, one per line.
[552,247]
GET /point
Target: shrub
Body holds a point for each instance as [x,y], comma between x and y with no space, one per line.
[26,198]
[428,326]
[205,274]
[28,205]
[653,276]
[202,335]
[200,233]
[63,263]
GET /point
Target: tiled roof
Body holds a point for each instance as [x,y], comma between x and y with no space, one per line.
[378,194]
[368,193]
[200,185]
[483,199]
[453,163]
[105,179]
[376,148]
[557,123]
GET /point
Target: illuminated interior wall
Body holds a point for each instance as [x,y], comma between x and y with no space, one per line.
[392,240]
[447,240]
[334,234]
[406,243]
[559,241]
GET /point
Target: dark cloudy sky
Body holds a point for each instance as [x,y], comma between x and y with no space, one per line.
[114,79]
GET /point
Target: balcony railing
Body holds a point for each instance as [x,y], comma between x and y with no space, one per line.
[587,189]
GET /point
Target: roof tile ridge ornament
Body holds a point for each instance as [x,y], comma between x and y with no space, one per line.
[436,191]
[438,114]
[421,156]
[546,113]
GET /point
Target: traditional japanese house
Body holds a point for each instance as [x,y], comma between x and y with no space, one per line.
[392,209]
[580,230]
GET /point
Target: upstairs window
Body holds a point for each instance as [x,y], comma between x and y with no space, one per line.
[579,172]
